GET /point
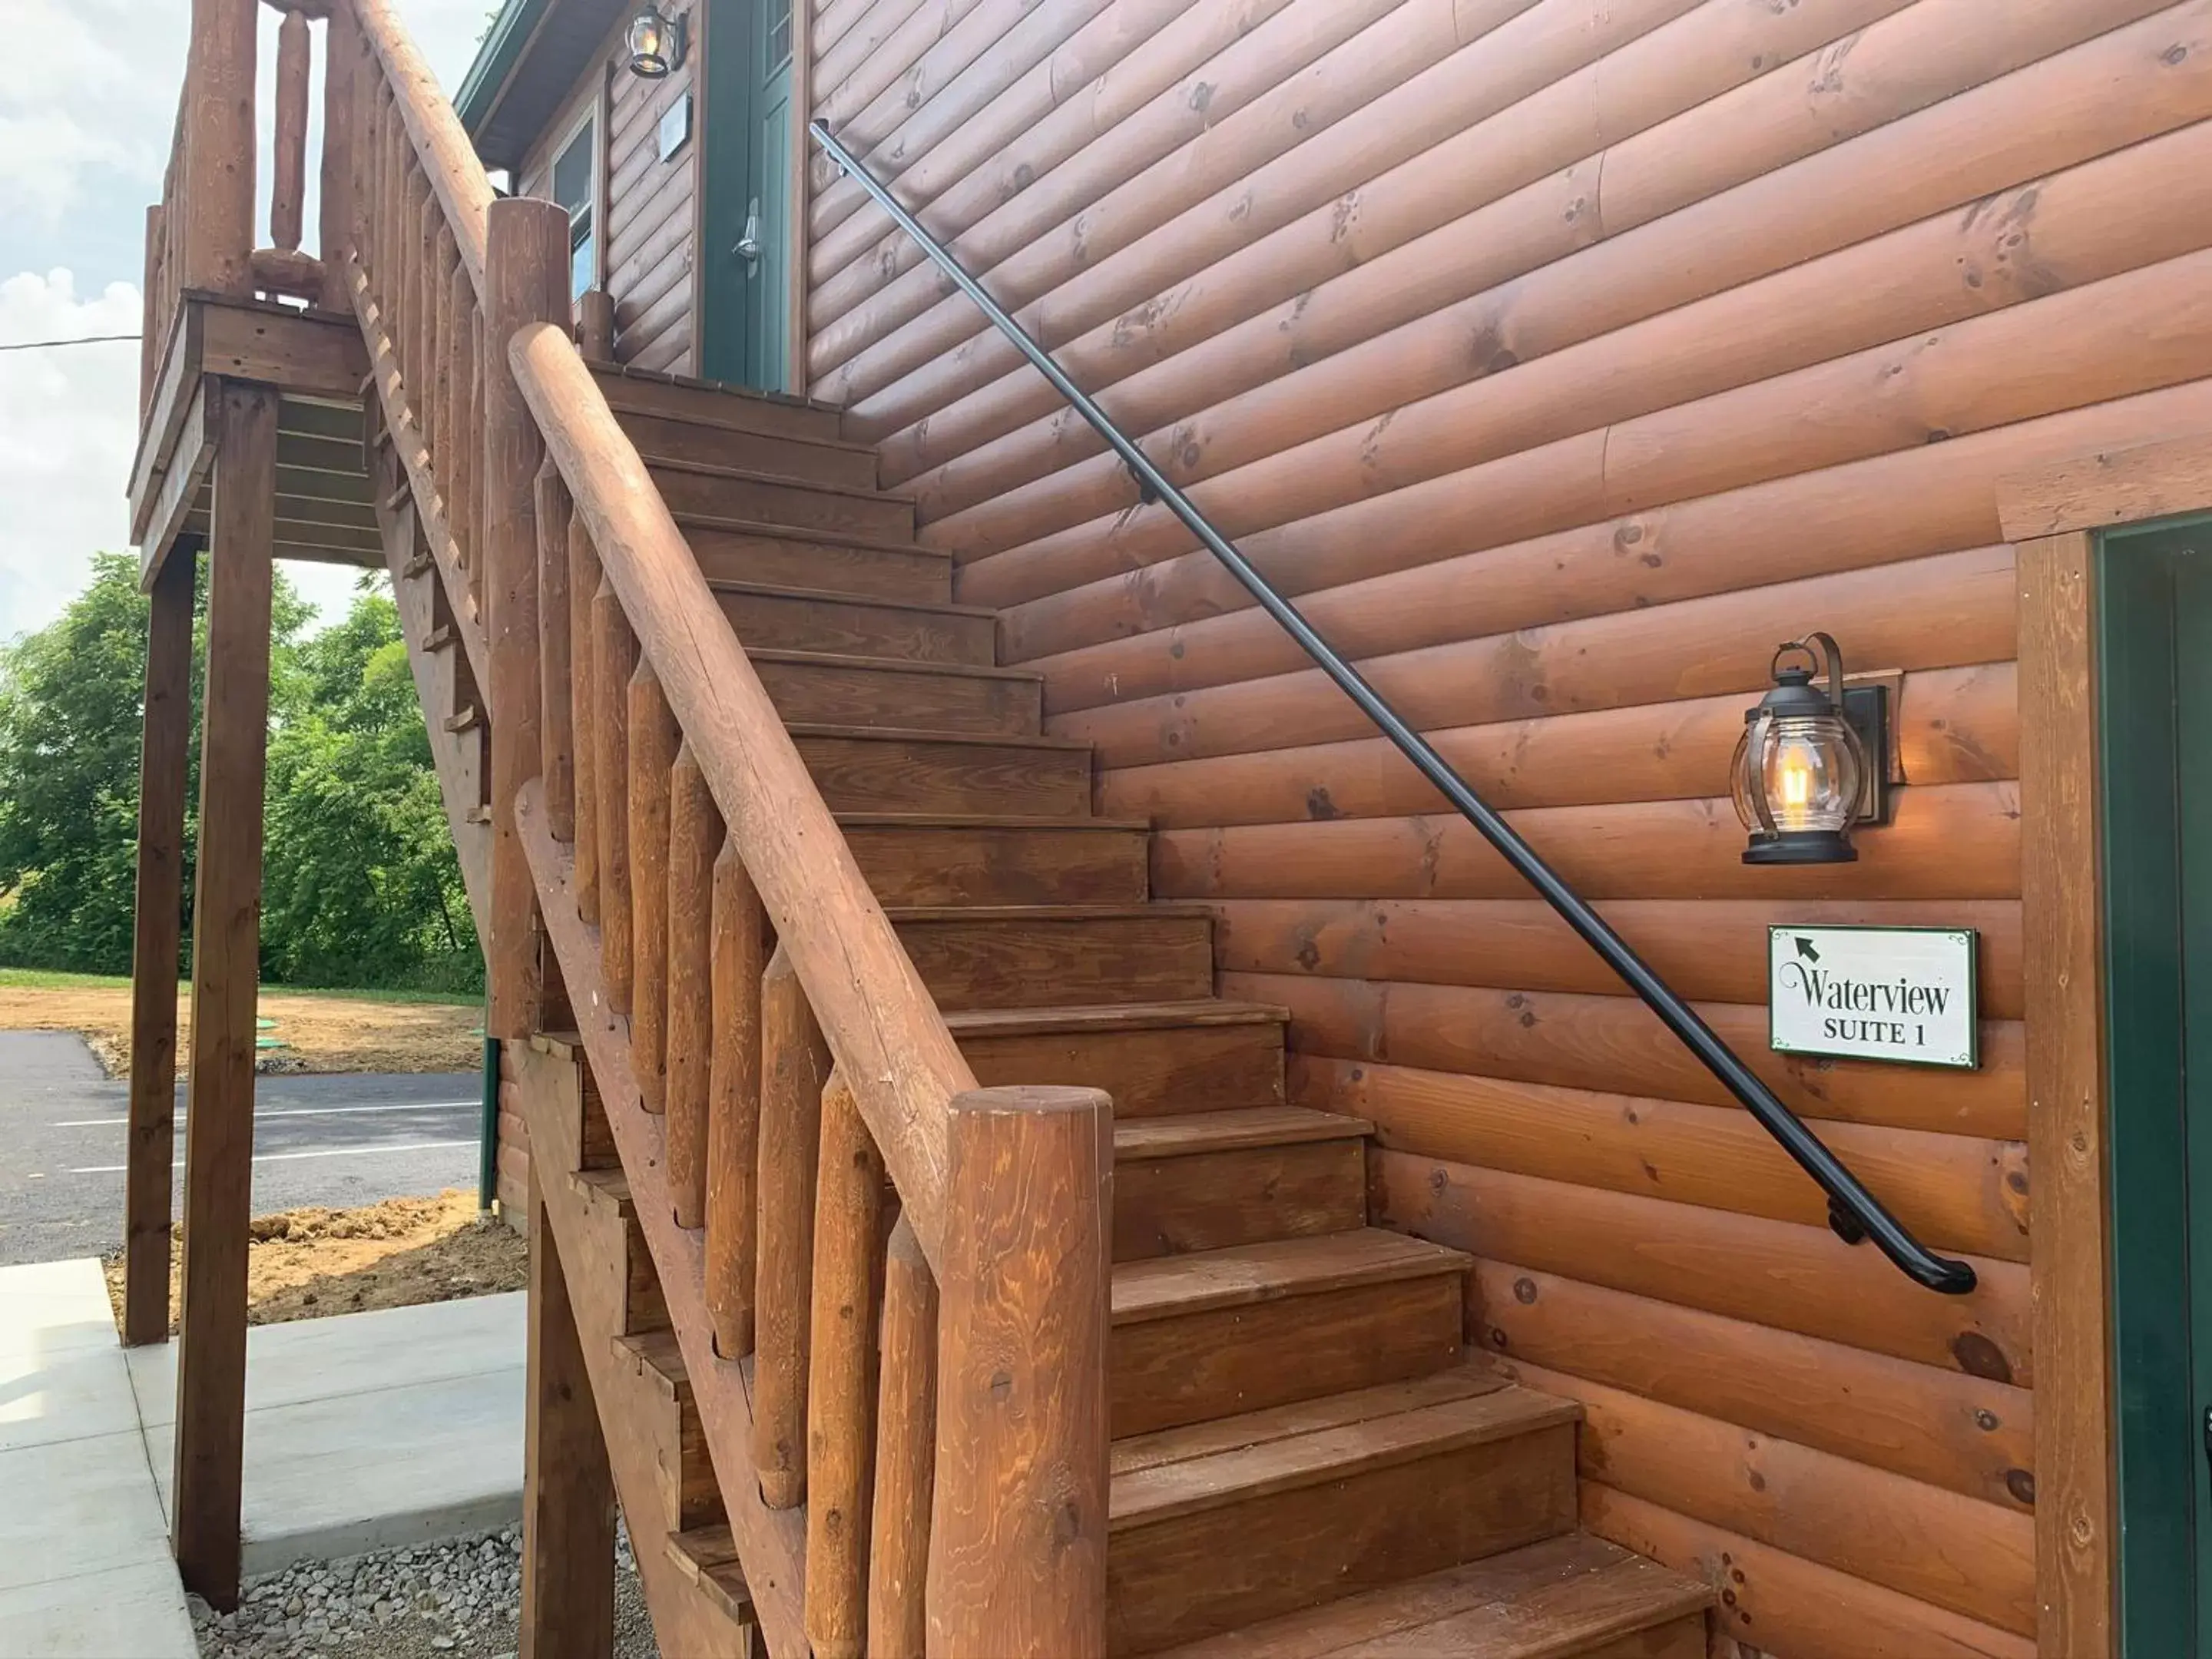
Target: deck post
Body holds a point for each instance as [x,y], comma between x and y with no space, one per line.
[527,271]
[217,229]
[568,1491]
[164,762]
[210,1422]
[1017,1528]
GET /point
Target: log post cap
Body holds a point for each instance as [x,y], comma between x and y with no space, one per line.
[1031,1099]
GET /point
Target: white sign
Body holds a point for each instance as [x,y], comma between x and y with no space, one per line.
[1896,993]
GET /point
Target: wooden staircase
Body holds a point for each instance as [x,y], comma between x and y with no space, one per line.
[1305,1461]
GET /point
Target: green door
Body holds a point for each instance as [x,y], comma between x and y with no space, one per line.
[745,224]
[2154,653]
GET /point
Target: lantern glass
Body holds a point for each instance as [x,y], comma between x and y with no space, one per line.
[652,45]
[1810,769]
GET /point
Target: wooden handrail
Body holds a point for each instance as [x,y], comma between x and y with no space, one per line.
[889,1041]
[449,160]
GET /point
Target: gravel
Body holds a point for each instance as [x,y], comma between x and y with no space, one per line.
[459,1599]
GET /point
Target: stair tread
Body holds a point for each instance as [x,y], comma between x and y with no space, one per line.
[768,530]
[1166,1287]
[833,596]
[707,1556]
[888,664]
[1233,1130]
[1283,1463]
[754,475]
[660,1353]
[610,1184]
[908,734]
[706,421]
[1113,1017]
[618,373]
[1546,1601]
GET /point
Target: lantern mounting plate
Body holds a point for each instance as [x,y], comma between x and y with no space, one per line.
[1866,706]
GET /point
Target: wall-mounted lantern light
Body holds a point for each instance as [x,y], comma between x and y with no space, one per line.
[1811,763]
[655,44]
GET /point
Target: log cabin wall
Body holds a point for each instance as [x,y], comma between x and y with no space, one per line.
[648,207]
[1564,355]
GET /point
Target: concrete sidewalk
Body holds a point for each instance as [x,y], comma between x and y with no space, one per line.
[366,1431]
[85,1571]
[362,1431]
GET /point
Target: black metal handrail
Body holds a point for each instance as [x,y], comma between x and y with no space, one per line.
[1854,1212]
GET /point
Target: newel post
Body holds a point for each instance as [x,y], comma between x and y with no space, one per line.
[526,267]
[1018,1529]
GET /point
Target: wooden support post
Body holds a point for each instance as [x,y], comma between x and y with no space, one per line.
[1017,1528]
[288,197]
[164,762]
[653,740]
[226,976]
[906,1453]
[840,1390]
[734,1092]
[558,735]
[794,1068]
[567,1488]
[217,229]
[341,104]
[527,267]
[695,835]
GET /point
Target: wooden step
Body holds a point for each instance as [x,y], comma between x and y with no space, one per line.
[634,1286]
[1207,1181]
[1265,1514]
[1154,1059]
[689,1493]
[732,492]
[1208,1335]
[814,460]
[736,408]
[745,550]
[708,1557]
[914,859]
[1036,956]
[838,624]
[1571,1597]
[861,770]
[814,687]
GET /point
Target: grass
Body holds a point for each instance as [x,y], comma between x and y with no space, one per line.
[42,979]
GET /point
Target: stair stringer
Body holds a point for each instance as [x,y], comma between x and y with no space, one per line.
[683,1621]
[771,1544]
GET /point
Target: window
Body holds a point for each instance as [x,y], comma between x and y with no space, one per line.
[575,173]
[779,34]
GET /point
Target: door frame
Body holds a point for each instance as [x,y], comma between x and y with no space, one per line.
[727,81]
[2058,520]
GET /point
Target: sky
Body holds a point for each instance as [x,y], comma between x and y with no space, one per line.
[88,103]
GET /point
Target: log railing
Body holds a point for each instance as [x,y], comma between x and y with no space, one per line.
[915,1269]
[200,237]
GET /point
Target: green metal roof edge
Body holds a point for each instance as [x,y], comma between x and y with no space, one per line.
[496,59]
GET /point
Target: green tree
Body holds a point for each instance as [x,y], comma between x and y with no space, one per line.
[361,884]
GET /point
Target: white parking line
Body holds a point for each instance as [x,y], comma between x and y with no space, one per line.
[302,1111]
[285,1158]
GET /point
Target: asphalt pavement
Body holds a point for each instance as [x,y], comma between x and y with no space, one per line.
[334,1140]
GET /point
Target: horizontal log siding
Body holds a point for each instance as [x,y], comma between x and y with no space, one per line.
[1562,357]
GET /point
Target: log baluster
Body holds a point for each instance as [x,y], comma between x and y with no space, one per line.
[841,1376]
[557,733]
[653,740]
[595,326]
[414,255]
[583,584]
[476,513]
[463,455]
[287,199]
[610,672]
[794,1068]
[695,835]
[429,388]
[906,1453]
[733,1100]
[341,107]
[422,345]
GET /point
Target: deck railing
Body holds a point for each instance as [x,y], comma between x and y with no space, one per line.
[1853,1211]
[767,1051]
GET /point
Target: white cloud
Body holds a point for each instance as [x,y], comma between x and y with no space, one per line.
[88,104]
